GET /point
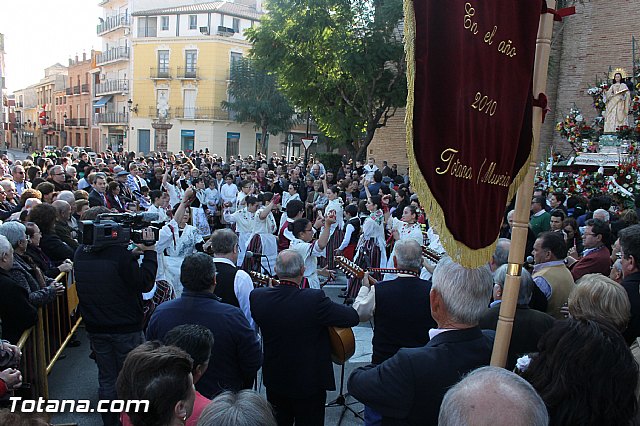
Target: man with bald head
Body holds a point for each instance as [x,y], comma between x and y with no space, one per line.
[297,367]
[493,396]
[408,388]
[62,228]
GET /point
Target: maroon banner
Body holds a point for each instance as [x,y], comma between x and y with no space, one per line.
[469,113]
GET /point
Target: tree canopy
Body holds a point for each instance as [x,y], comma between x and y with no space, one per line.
[341,59]
[254,97]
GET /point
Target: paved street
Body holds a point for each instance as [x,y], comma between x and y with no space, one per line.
[16,154]
[76,376]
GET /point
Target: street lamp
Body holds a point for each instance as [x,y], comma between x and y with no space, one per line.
[133,109]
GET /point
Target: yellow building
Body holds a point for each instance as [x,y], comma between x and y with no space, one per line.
[181,57]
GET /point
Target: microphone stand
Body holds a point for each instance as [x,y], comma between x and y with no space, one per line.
[341,400]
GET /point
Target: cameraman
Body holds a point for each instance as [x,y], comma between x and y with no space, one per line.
[110,283]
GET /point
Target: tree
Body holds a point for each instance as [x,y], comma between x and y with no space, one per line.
[342,59]
[254,97]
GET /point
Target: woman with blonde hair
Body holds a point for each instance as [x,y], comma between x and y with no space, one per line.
[599,298]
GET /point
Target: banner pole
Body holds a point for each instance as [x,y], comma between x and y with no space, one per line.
[523,199]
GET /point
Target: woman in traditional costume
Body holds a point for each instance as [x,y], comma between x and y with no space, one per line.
[264,240]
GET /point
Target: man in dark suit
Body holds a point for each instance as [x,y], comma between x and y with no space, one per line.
[630,250]
[596,258]
[297,366]
[408,388]
[236,355]
[528,326]
[97,194]
[400,309]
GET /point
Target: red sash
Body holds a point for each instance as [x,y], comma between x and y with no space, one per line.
[283,242]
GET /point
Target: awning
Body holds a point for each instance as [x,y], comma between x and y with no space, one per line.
[103,101]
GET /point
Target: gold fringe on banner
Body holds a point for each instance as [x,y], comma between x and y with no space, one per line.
[459,252]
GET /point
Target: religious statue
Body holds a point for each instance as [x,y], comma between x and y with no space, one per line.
[163,105]
[616,100]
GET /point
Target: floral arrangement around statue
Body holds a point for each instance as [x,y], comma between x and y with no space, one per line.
[581,136]
[627,177]
[627,133]
[597,93]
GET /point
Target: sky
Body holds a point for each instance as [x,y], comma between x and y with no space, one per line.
[39,33]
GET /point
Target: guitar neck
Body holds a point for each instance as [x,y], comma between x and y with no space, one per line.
[349,267]
[430,254]
[262,279]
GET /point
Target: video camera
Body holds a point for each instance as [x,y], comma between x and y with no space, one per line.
[119,228]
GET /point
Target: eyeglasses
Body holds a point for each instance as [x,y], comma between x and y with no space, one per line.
[589,233]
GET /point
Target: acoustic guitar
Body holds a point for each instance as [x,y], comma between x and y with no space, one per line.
[342,340]
[352,270]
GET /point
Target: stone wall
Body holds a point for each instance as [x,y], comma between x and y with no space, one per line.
[390,142]
[597,37]
[584,45]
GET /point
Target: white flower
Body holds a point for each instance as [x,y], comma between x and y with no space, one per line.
[579,118]
[523,363]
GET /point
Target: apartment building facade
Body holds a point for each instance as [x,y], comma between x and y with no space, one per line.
[78,112]
[111,76]
[181,67]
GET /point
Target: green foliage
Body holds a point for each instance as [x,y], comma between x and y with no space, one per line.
[330,160]
[254,97]
[342,59]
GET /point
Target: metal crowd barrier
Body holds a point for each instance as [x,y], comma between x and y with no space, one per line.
[42,344]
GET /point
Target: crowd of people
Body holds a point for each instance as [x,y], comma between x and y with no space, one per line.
[184,313]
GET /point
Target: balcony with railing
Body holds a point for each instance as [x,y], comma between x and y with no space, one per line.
[84,88]
[112,23]
[68,91]
[76,90]
[160,74]
[112,86]
[111,118]
[154,113]
[188,73]
[76,122]
[202,113]
[112,55]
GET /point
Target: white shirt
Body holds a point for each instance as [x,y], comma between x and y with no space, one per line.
[162,214]
[212,197]
[242,287]
[174,194]
[310,253]
[228,192]
[369,171]
[244,220]
[365,303]
[264,226]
